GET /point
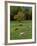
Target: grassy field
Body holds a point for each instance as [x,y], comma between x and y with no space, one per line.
[20,30]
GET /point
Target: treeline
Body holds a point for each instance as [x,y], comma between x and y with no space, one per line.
[20,13]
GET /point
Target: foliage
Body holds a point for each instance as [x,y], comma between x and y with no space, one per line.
[20,13]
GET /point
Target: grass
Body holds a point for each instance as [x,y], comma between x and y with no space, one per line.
[20,30]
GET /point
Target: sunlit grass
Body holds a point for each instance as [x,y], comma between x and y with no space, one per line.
[20,30]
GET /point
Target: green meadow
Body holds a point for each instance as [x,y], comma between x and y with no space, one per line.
[20,30]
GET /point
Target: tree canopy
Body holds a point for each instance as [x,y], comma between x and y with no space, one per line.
[20,13]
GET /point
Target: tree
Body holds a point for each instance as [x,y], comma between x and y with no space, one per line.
[19,16]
